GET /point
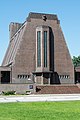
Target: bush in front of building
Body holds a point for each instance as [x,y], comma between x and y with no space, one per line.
[9,92]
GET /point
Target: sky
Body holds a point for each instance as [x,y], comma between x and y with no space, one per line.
[68,12]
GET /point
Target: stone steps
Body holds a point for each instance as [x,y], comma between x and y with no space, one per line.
[57,89]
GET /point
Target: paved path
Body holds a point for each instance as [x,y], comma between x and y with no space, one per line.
[38,98]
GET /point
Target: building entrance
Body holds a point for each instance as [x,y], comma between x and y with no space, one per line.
[77,77]
[5,77]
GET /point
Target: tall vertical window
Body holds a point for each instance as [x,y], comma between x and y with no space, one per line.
[45,48]
[38,48]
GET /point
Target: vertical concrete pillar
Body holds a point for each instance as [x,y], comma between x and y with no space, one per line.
[35,78]
[10,76]
[42,79]
[49,78]
[0,76]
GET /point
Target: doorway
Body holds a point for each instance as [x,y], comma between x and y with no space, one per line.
[5,77]
[77,77]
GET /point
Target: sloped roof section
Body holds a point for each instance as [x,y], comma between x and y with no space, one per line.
[13,46]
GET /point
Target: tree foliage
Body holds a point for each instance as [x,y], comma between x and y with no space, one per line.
[76,61]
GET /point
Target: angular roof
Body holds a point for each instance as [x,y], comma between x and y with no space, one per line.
[16,37]
[40,15]
[14,44]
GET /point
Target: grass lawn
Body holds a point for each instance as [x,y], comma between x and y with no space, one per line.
[40,111]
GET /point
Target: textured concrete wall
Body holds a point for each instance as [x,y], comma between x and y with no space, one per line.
[19,88]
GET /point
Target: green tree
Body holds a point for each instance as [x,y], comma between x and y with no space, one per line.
[76,61]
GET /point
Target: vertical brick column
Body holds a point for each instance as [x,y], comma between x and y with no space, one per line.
[0,76]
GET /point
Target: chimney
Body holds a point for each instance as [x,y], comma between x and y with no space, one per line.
[13,27]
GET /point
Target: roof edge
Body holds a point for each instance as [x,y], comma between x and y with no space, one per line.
[35,15]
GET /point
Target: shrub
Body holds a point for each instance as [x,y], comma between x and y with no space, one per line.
[8,93]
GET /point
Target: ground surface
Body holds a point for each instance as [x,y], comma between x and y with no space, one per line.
[40,111]
[40,98]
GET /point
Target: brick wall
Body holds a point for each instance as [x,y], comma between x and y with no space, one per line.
[24,57]
[19,88]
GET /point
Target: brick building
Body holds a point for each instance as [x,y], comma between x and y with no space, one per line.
[37,53]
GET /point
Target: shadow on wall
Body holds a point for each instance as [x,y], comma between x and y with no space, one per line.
[51,50]
[54,77]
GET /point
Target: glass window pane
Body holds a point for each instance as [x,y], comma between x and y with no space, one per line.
[38,48]
[45,48]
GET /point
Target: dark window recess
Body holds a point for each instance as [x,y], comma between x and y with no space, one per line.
[45,48]
[39,49]
[23,76]
[5,77]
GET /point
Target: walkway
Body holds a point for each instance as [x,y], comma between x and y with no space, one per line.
[40,98]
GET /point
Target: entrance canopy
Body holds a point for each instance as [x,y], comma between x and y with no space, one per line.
[3,68]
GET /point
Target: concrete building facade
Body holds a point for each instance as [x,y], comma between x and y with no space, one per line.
[37,53]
